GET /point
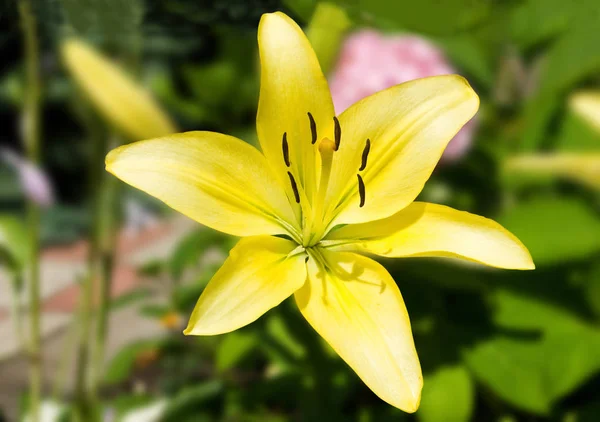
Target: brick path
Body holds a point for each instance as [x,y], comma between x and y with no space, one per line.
[61,267]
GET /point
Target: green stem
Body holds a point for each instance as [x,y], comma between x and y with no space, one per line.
[16,309]
[31,136]
[66,357]
[82,405]
[84,398]
[106,244]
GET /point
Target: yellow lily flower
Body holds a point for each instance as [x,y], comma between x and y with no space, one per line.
[324,191]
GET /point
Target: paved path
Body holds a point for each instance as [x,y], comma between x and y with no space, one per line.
[61,267]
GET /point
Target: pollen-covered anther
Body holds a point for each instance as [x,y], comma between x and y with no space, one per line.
[365,155]
[286,150]
[294,187]
[361,190]
[337,132]
[313,128]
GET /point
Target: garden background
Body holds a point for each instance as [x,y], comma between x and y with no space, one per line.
[112,275]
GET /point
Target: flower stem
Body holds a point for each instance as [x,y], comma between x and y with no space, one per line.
[31,137]
[104,264]
[84,400]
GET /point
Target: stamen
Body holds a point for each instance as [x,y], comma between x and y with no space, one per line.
[313,128]
[286,150]
[365,155]
[294,187]
[361,190]
[337,133]
[306,260]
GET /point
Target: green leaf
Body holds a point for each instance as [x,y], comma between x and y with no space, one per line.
[469,55]
[554,230]
[281,345]
[234,348]
[549,353]
[574,57]
[537,117]
[130,298]
[447,395]
[14,250]
[592,289]
[303,8]
[577,136]
[534,21]
[122,365]
[115,21]
[326,31]
[511,368]
[190,250]
[191,400]
[428,16]
[155,310]
[570,343]
[212,84]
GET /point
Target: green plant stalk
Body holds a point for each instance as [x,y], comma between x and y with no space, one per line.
[82,404]
[67,355]
[16,309]
[31,136]
[84,399]
[106,238]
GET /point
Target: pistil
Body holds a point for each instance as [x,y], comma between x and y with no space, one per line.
[326,149]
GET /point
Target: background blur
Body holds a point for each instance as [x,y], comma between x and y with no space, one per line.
[120,273]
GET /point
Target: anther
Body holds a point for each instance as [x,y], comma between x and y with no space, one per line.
[294,187]
[361,190]
[313,128]
[286,150]
[365,155]
[306,260]
[337,133]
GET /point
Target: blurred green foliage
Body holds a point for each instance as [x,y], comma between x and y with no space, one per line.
[494,345]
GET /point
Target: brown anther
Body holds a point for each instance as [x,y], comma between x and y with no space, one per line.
[286,150]
[337,133]
[294,187]
[365,155]
[361,190]
[313,128]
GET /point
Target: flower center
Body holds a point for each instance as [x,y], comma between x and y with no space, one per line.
[313,211]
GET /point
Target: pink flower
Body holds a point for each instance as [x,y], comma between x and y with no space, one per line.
[370,62]
[35,183]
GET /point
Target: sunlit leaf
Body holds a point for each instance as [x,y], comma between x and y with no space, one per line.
[234,348]
[428,16]
[554,230]
[122,365]
[14,250]
[447,395]
[543,354]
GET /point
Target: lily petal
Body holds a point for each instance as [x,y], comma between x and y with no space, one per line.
[257,276]
[291,86]
[587,105]
[424,229]
[356,306]
[215,179]
[124,102]
[408,127]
